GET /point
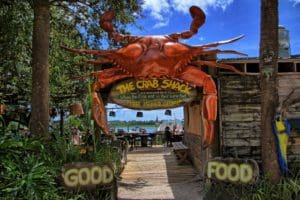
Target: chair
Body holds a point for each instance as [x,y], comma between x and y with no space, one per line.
[137,141]
[131,140]
[151,139]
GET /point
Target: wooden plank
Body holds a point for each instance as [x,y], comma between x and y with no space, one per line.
[286,84]
[153,173]
[241,134]
[294,149]
[234,82]
[244,108]
[255,125]
[179,145]
[294,140]
[241,142]
[241,117]
[289,80]
[228,99]
[244,150]
[294,158]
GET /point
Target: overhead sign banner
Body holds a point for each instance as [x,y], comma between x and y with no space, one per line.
[154,93]
[238,171]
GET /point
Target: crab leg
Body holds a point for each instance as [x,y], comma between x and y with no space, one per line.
[215,44]
[95,62]
[196,77]
[219,65]
[103,79]
[217,51]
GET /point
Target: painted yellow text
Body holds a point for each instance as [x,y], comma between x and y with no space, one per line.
[166,84]
[230,171]
[175,85]
[84,176]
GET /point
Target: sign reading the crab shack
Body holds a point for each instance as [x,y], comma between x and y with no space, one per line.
[238,171]
[87,176]
[152,93]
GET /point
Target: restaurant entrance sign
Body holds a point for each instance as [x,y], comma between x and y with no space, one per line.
[154,93]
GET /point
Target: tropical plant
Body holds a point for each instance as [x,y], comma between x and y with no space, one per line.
[287,188]
[25,174]
[29,169]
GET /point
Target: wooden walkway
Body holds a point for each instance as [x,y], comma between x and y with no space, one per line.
[154,173]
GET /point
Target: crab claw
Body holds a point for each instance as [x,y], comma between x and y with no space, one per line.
[198,18]
[105,21]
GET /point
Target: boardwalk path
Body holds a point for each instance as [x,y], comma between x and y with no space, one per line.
[153,173]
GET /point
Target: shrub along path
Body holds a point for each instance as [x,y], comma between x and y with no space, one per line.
[154,173]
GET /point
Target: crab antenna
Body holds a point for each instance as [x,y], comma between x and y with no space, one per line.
[198,20]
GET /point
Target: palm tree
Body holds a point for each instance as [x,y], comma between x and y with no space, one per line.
[269,95]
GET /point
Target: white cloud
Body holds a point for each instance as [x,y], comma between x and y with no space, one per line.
[157,8]
[295,2]
[160,10]
[163,23]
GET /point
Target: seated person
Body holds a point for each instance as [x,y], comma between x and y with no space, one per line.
[168,136]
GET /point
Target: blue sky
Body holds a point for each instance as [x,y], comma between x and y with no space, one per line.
[225,19]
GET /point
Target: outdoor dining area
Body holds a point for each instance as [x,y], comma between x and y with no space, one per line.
[142,139]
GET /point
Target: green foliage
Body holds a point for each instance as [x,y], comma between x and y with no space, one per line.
[85,16]
[74,121]
[288,189]
[2,125]
[24,172]
[63,64]
[109,154]
[16,21]
[73,24]
[29,166]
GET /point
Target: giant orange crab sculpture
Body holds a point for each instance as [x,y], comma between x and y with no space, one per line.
[154,57]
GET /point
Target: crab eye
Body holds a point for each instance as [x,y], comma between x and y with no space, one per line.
[132,50]
[174,49]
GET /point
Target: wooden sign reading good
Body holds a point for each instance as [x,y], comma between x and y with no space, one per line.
[232,170]
[87,175]
[152,93]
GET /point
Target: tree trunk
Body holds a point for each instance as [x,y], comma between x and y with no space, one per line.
[40,70]
[269,95]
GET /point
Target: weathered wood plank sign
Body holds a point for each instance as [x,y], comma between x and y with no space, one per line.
[152,93]
[232,170]
[87,176]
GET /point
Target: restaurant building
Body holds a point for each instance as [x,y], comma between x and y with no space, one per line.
[238,129]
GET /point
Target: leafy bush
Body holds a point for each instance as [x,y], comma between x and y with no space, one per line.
[287,189]
[24,172]
[29,167]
